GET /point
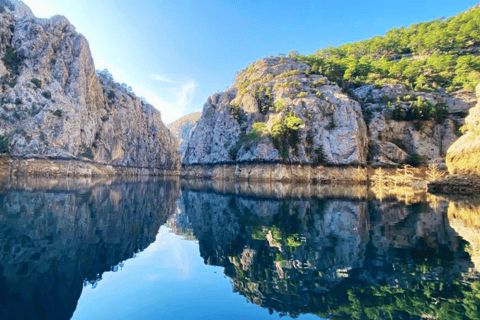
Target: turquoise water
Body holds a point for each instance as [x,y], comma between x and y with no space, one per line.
[194,250]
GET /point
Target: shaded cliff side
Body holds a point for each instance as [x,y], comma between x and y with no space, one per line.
[54,104]
[182,129]
[55,241]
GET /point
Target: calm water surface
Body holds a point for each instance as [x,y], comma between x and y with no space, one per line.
[83,249]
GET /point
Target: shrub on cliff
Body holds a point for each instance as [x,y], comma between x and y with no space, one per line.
[12,60]
[4,144]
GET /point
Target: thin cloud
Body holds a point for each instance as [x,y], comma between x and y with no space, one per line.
[161,78]
[170,110]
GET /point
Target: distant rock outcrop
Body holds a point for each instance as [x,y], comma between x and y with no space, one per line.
[182,128]
[464,155]
[54,105]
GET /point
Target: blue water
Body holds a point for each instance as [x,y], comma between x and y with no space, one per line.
[168,280]
[202,250]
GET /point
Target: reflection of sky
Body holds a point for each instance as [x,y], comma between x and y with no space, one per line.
[167,281]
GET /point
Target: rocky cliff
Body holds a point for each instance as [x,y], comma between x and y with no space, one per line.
[54,104]
[464,155]
[182,128]
[276,112]
[279,112]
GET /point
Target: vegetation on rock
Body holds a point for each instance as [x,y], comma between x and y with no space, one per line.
[426,56]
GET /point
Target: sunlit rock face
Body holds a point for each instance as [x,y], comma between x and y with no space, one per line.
[464,155]
[56,106]
[52,242]
[315,121]
[315,254]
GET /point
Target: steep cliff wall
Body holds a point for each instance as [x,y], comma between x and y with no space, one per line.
[279,114]
[53,104]
[464,155]
[182,128]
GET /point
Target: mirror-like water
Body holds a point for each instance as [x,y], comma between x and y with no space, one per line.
[82,249]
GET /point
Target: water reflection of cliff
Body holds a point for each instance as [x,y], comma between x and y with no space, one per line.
[52,242]
[338,258]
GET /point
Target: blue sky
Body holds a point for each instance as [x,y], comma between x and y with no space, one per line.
[176,53]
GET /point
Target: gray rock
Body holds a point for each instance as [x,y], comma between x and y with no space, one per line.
[272,91]
[56,106]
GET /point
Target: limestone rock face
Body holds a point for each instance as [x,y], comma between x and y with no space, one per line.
[55,105]
[277,112]
[393,136]
[464,155]
[182,129]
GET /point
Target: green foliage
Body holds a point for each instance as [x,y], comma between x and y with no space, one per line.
[36,82]
[443,45]
[399,143]
[264,97]
[423,110]
[2,9]
[416,160]
[320,155]
[284,133]
[302,94]
[331,125]
[87,153]
[279,105]
[245,140]
[111,95]
[235,110]
[4,148]
[12,60]
[260,128]
[58,113]
[398,112]
[47,94]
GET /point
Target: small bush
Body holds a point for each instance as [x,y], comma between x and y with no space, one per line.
[12,60]
[416,160]
[18,101]
[399,143]
[279,105]
[4,144]
[302,94]
[235,110]
[331,125]
[111,95]
[88,153]
[58,113]
[260,128]
[47,94]
[36,82]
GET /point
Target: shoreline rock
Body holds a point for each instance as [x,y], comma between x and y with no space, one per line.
[28,167]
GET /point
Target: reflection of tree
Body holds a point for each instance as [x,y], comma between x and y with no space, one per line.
[339,259]
[52,242]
